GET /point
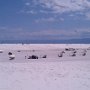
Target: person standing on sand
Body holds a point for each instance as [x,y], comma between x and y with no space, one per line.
[25,57]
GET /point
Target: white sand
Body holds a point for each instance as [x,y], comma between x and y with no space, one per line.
[41,46]
[51,73]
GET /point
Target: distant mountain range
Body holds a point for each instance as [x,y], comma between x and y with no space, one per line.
[70,41]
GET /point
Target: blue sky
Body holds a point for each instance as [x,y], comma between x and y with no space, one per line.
[44,19]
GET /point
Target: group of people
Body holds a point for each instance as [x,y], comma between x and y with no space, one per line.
[72,52]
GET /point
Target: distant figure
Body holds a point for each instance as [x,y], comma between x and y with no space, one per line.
[33,57]
[73,54]
[69,49]
[1,51]
[11,57]
[18,51]
[88,48]
[63,52]
[74,51]
[66,49]
[45,56]
[60,55]
[9,53]
[84,53]
[25,57]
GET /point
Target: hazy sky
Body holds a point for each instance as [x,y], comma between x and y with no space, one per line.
[44,19]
